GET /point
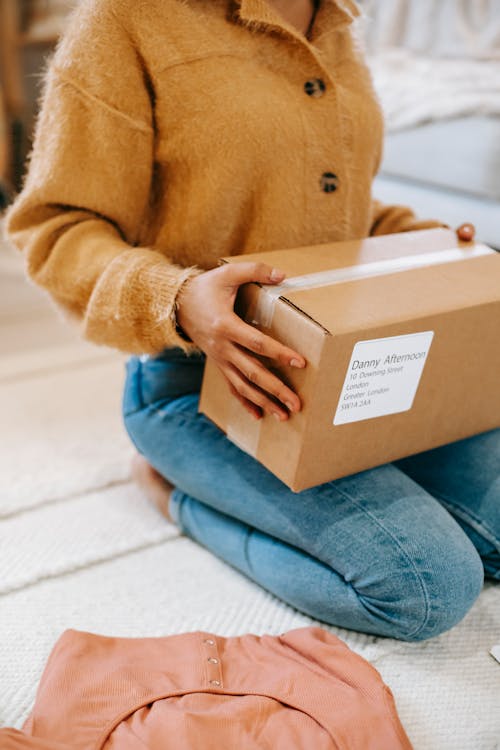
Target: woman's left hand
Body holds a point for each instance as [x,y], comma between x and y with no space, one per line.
[466,232]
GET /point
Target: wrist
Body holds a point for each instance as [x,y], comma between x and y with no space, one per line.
[178,316]
[180,332]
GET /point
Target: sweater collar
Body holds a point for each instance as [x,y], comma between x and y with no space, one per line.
[330,15]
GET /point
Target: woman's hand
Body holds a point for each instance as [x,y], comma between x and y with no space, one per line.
[206,314]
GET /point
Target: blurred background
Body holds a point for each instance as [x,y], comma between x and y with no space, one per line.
[436,67]
[29,30]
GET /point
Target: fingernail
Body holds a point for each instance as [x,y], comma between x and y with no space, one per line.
[276,275]
[290,406]
[296,363]
[466,232]
[278,415]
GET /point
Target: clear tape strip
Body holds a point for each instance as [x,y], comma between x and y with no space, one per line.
[264,311]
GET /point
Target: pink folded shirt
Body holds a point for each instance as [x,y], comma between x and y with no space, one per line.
[303,689]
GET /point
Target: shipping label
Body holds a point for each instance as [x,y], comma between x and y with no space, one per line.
[382,377]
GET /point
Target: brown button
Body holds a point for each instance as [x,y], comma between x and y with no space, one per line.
[315,87]
[328,182]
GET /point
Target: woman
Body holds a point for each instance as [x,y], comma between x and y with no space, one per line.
[176,132]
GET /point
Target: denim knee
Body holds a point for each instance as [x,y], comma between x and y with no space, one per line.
[449,588]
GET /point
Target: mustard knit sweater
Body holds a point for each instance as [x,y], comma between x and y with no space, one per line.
[174,132]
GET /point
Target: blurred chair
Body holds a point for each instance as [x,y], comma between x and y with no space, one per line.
[28,31]
[4,154]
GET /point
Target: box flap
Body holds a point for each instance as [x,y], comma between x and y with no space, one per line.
[341,285]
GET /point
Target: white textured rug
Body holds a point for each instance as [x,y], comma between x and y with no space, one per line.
[80,548]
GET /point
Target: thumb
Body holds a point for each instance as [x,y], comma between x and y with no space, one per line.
[241,273]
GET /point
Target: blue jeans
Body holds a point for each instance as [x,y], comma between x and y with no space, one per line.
[400,550]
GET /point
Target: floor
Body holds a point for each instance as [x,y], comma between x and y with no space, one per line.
[81,548]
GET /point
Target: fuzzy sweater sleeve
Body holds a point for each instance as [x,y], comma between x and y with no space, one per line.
[388,219]
[78,217]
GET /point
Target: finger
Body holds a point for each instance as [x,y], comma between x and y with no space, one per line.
[257,374]
[254,410]
[466,232]
[252,393]
[242,273]
[260,343]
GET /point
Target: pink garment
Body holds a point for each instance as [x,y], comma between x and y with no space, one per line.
[301,690]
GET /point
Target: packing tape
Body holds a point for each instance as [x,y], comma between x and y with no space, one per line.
[264,309]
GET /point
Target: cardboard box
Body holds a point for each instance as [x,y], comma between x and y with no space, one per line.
[401,334]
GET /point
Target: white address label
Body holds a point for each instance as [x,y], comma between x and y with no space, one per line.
[382,377]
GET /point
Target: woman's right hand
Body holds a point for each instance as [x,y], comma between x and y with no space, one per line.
[206,314]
